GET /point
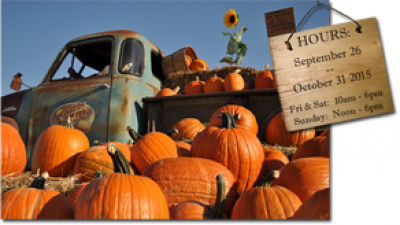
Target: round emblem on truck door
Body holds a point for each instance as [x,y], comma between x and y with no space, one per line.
[80,113]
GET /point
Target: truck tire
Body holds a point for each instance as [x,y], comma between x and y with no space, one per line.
[10,121]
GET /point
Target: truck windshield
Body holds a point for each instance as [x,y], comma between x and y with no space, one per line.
[131,60]
[85,60]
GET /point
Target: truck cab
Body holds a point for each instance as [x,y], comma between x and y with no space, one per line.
[97,80]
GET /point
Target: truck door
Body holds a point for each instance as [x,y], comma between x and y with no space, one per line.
[78,88]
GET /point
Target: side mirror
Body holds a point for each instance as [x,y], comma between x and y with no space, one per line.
[16,82]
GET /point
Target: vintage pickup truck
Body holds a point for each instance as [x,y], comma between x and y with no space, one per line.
[106,81]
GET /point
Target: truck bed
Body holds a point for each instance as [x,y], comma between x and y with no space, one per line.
[164,112]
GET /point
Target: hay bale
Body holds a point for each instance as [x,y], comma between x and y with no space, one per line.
[181,78]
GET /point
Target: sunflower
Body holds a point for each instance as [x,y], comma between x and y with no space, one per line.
[231,18]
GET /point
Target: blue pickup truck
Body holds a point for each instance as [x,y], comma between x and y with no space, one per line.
[107,81]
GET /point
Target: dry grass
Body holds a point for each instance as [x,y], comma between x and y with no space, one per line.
[60,184]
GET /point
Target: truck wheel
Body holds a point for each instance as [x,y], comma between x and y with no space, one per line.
[264,125]
[10,121]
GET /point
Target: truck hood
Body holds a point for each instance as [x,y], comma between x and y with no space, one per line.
[11,103]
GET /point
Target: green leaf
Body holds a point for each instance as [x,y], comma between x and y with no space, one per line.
[227,34]
[226,59]
[239,33]
[242,49]
[232,46]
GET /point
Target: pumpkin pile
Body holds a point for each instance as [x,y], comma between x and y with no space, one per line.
[213,170]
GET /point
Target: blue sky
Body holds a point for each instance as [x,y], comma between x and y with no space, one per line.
[33,32]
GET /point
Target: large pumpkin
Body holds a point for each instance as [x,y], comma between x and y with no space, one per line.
[194,209]
[184,179]
[234,81]
[121,195]
[57,149]
[316,207]
[236,148]
[246,119]
[151,148]
[96,158]
[273,160]
[305,176]
[35,202]
[277,134]
[13,151]
[187,129]
[265,202]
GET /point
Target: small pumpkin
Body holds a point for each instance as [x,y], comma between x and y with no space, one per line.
[35,202]
[214,84]
[305,176]
[234,81]
[266,202]
[316,207]
[317,146]
[234,147]
[273,160]
[198,64]
[121,195]
[276,133]
[151,148]
[13,151]
[186,128]
[57,149]
[265,79]
[194,87]
[189,178]
[193,209]
[168,92]
[246,120]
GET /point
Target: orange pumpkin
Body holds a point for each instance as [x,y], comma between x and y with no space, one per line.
[316,207]
[193,209]
[10,121]
[234,147]
[304,176]
[35,202]
[151,148]
[234,81]
[273,160]
[13,151]
[214,84]
[265,79]
[277,134]
[187,128]
[246,120]
[57,149]
[185,179]
[96,158]
[265,202]
[183,148]
[168,92]
[121,195]
[317,146]
[198,64]
[194,87]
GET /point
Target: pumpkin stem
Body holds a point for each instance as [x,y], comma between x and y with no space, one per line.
[220,202]
[172,131]
[267,67]
[197,78]
[69,123]
[39,181]
[228,121]
[266,180]
[121,165]
[98,174]
[133,134]
[237,71]
[176,89]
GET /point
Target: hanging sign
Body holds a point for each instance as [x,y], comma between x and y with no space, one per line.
[280,22]
[331,74]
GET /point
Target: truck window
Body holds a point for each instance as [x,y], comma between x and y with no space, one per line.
[156,64]
[131,60]
[85,60]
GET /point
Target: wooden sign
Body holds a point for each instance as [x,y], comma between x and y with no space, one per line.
[332,74]
[280,22]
